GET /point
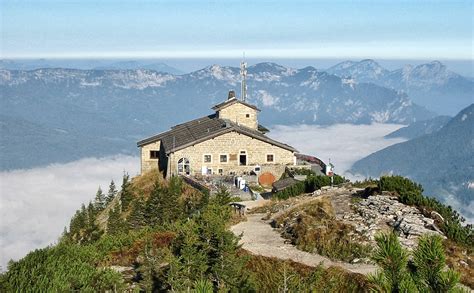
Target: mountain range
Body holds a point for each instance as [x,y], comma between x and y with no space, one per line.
[56,106]
[431,85]
[97,106]
[442,161]
[86,64]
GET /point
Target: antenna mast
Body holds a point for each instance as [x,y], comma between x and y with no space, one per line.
[243,75]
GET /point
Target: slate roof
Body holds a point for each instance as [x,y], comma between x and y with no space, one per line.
[231,102]
[284,183]
[204,128]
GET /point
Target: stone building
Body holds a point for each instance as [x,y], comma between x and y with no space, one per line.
[228,142]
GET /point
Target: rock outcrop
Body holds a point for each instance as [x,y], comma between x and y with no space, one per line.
[379,212]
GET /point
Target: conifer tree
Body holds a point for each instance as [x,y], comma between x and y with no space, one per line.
[137,220]
[112,192]
[191,262]
[92,231]
[430,262]
[163,205]
[100,200]
[115,223]
[223,196]
[126,195]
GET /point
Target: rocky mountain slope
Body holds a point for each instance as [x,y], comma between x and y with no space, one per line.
[431,84]
[126,105]
[420,128]
[443,161]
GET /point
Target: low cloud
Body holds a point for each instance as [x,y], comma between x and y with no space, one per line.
[37,204]
[344,144]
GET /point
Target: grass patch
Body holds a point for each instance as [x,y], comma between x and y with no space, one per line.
[460,259]
[314,228]
[275,275]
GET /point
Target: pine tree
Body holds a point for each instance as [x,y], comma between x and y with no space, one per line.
[92,231]
[115,223]
[223,196]
[191,262]
[392,258]
[112,192]
[430,262]
[126,195]
[163,205]
[137,220]
[100,200]
[221,246]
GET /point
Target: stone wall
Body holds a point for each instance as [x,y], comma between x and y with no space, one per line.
[148,163]
[231,144]
[238,113]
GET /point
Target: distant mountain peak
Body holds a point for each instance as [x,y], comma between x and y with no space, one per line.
[369,61]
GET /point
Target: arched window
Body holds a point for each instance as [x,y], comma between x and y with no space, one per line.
[183,166]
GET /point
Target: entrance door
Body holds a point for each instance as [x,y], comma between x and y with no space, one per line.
[243,158]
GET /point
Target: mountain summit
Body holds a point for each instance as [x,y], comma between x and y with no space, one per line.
[431,84]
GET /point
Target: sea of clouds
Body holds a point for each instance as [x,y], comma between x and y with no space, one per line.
[344,144]
[37,204]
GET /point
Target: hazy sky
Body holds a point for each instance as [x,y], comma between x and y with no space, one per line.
[219,29]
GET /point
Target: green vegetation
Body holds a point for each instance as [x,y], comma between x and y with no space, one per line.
[311,183]
[274,275]
[425,273]
[174,238]
[65,267]
[314,228]
[411,193]
[293,190]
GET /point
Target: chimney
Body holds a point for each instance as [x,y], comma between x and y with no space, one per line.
[231,95]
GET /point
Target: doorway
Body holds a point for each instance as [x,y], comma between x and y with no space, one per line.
[243,158]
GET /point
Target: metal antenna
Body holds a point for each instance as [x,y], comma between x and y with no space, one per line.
[243,75]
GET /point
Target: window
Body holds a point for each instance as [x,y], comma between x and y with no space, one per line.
[247,115]
[207,158]
[223,158]
[154,154]
[183,166]
[270,158]
[220,171]
[209,171]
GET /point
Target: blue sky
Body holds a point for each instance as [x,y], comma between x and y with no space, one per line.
[222,29]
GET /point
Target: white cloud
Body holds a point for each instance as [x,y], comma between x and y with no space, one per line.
[344,144]
[267,99]
[37,204]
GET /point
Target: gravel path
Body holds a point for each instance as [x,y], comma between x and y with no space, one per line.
[260,238]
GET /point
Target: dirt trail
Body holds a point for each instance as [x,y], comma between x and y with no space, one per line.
[260,238]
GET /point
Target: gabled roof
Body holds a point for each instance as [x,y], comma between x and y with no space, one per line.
[231,102]
[204,128]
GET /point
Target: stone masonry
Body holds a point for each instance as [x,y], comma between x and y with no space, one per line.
[232,145]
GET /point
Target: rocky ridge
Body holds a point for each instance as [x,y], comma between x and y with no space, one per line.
[381,212]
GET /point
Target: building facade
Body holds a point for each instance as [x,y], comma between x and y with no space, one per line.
[228,142]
